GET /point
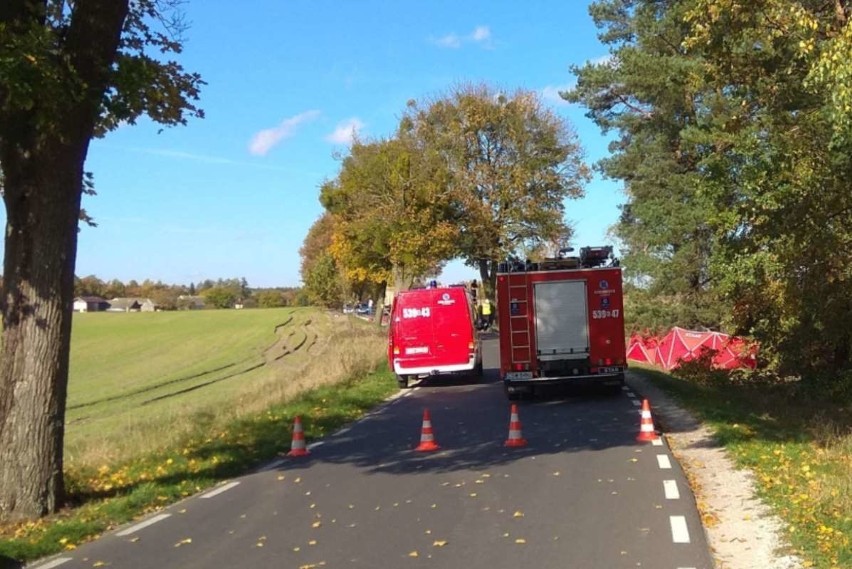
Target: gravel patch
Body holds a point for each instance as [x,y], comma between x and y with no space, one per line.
[742,531]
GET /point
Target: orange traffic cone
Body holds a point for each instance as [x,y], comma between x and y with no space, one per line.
[427,439]
[515,439]
[646,425]
[297,447]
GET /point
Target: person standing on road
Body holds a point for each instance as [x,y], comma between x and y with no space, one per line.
[487,314]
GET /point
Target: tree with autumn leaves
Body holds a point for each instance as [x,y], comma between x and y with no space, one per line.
[477,175]
[734,142]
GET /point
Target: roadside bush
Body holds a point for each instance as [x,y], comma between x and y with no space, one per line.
[700,370]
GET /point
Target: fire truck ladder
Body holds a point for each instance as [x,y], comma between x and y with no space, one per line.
[519,321]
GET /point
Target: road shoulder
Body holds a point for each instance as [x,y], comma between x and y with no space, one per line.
[742,531]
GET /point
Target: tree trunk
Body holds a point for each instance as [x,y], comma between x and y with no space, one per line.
[42,151]
[488,278]
[42,209]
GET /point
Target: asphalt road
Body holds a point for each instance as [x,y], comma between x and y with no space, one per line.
[583,493]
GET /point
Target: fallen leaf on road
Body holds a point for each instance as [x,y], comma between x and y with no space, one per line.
[413,554]
[518,514]
[316,524]
[98,564]
[440,543]
[297,480]
[520,541]
[312,542]
[183,542]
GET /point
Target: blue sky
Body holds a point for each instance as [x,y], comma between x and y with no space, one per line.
[233,195]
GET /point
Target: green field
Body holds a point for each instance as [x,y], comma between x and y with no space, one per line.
[139,381]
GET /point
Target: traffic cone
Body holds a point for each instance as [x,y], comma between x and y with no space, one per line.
[515,439]
[427,439]
[646,425]
[297,447]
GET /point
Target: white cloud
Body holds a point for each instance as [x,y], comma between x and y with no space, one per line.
[345,131]
[551,93]
[263,141]
[450,41]
[480,35]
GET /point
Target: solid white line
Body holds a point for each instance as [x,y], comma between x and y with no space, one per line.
[220,489]
[658,442]
[680,533]
[143,525]
[54,563]
[663,461]
[342,431]
[670,487]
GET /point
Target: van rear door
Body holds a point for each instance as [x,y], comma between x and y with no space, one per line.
[453,326]
[413,328]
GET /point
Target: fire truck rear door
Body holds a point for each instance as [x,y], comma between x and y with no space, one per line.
[561,320]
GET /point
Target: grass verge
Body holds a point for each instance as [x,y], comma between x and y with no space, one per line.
[799,447]
[109,495]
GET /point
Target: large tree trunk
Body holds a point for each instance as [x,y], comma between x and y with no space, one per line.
[42,151]
[42,209]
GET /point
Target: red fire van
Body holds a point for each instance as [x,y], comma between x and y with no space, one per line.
[433,331]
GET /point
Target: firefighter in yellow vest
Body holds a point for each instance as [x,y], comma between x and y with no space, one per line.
[487,314]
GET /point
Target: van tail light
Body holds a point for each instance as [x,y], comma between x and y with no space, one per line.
[522,367]
[396,350]
[608,362]
[471,346]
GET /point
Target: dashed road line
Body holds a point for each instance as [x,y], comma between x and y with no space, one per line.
[658,442]
[273,465]
[636,402]
[143,525]
[670,488]
[663,461]
[220,489]
[312,446]
[680,533]
[55,563]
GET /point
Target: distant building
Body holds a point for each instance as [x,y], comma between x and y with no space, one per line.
[90,304]
[190,302]
[131,305]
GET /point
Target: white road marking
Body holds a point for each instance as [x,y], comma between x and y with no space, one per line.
[680,533]
[342,431]
[670,487]
[635,402]
[312,446]
[143,525]
[220,489]
[663,461]
[625,388]
[55,563]
[273,465]
[658,442]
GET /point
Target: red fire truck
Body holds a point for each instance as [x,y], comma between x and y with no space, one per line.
[561,322]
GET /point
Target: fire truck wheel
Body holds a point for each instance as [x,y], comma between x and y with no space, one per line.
[402,381]
[512,395]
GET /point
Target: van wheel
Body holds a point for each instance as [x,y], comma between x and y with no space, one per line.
[402,381]
[478,372]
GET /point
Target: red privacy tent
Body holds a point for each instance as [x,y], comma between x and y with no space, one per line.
[681,345]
